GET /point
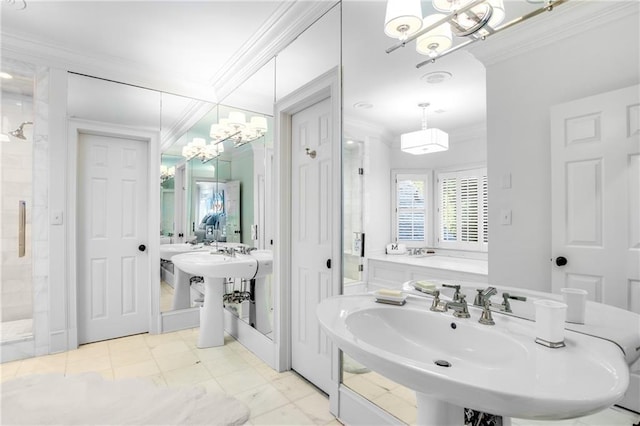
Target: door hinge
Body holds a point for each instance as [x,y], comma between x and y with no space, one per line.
[360,268]
[360,171]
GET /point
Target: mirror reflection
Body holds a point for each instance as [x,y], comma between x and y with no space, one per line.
[216,188]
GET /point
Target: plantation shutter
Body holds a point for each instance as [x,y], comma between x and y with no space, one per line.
[463,209]
[410,209]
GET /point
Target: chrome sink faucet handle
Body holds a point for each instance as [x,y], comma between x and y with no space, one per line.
[479,300]
[506,306]
[456,295]
[485,317]
[436,305]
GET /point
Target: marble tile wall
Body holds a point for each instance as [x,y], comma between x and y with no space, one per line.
[40,212]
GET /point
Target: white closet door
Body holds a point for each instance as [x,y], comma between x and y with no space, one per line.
[595,154]
[113,264]
[312,224]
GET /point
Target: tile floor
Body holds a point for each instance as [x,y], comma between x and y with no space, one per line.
[274,398]
[173,359]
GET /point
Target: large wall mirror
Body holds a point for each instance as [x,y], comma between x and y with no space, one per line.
[382,93]
[216,195]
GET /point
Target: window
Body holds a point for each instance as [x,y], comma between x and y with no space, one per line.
[463,222]
[411,203]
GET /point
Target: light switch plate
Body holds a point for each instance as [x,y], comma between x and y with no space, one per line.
[56,217]
[505,217]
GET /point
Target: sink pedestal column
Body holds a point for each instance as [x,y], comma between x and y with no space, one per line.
[433,412]
[211,314]
[181,289]
[263,324]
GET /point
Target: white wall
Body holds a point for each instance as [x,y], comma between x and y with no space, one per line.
[520,91]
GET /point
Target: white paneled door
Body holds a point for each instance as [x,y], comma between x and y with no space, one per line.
[595,152]
[311,235]
[113,264]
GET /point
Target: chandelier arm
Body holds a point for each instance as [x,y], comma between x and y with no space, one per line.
[547,8]
[436,24]
[448,52]
[461,31]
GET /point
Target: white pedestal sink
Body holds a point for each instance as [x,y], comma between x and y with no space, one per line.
[214,267]
[181,279]
[453,363]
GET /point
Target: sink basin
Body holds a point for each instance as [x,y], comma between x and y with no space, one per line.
[265,261]
[216,265]
[167,251]
[453,363]
[404,331]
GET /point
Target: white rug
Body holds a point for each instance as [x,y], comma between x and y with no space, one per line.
[88,399]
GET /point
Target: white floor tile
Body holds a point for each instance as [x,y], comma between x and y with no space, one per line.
[286,415]
[262,399]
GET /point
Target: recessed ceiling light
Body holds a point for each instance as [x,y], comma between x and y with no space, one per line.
[5,75]
[363,105]
[15,4]
[436,77]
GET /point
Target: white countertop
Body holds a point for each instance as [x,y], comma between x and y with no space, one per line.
[459,264]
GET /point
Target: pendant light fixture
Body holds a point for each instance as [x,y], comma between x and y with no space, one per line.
[424,141]
[437,40]
[471,20]
[403,18]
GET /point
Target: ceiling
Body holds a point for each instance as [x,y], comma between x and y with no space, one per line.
[197,41]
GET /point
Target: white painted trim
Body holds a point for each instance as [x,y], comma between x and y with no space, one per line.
[325,86]
[356,410]
[75,128]
[180,319]
[262,346]
[567,20]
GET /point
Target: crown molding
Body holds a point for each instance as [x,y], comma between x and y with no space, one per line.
[107,67]
[285,25]
[567,20]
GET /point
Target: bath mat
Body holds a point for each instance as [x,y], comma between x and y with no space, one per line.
[88,399]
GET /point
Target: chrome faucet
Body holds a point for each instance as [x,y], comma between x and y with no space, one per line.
[485,317]
[456,295]
[483,296]
[436,305]
[506,306]
[460,309]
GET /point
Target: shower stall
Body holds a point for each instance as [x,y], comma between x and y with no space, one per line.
[16,201]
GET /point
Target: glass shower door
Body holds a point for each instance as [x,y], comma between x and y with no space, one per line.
[354,238]
[16,201]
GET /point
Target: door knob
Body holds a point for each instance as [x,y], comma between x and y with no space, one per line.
[142,247]
[561,261]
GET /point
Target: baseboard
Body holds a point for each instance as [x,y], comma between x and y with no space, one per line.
[179,320]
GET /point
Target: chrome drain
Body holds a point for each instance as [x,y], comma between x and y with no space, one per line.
[442,363]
